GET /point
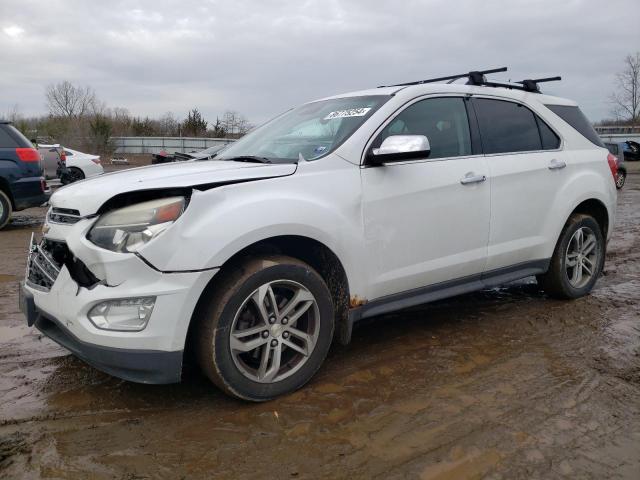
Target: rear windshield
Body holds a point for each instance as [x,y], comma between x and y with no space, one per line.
[574,117]
[10,137]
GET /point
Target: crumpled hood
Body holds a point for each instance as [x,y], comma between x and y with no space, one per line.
[88,195]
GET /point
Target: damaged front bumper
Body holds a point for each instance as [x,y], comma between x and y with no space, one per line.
[67,277]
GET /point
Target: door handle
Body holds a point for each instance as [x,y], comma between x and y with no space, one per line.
[472,178]
[556,164]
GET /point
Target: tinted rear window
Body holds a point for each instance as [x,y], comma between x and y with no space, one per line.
[574,117]
[507,127]
[10,137]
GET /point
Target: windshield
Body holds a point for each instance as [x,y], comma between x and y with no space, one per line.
[311,130]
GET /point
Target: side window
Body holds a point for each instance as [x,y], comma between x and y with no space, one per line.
[550,140]
[68,153]
[6,140]
[507,127]
[442,120]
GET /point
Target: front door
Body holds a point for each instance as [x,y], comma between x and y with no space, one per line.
[426,221]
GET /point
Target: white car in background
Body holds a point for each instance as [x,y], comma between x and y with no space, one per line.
[81,165]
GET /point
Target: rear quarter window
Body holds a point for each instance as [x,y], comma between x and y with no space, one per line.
[10,137]
[574,117]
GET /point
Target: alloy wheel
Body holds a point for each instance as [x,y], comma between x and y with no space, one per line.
[274,331]
[581,258]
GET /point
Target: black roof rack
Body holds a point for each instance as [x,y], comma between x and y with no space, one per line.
[478,77]
[532,85]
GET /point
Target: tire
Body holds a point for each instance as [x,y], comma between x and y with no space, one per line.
[229,309]
[561,280]
[6,209]
[74,174]
[620,179]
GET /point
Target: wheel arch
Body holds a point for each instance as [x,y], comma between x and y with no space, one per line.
[597,210]
[5,188]
[313,252]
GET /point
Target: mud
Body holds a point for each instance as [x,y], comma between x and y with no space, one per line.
[500,384]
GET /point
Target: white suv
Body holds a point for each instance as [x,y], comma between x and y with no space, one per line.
[341,209]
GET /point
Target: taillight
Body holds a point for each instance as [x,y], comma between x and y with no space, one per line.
[43,184]
[613,165]
[28,154]
[96,160]
[63,157]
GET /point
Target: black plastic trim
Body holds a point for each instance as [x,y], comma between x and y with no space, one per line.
[140,366]
[448,289]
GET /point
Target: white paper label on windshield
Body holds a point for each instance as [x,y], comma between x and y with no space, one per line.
[351,112]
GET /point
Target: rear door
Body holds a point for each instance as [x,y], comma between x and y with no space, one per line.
[527,167]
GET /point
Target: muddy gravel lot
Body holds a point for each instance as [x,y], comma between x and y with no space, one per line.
[500,384]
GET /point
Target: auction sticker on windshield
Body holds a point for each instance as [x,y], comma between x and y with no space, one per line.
[351,112]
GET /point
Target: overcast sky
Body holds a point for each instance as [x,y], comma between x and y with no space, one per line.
[261,57]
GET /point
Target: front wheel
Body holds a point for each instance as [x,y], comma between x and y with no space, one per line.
[577,261]
[620,179]
[266,328]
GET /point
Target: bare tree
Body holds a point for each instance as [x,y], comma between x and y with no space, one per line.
[626,98]
[66,100]
[169,125]
[235,124]
[13,114]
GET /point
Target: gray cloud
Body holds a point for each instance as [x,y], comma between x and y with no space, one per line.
[261,57]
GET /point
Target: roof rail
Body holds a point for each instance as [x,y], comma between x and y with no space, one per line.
[478,77]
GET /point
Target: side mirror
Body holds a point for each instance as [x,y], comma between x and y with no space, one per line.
[396,148]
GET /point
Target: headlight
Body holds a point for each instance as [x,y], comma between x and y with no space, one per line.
[128,229]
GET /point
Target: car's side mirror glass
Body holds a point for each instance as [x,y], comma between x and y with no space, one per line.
[396,148]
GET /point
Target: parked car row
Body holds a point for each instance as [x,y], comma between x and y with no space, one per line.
[207,154]
[619,151]
[24,170]
[68,165]
[21,182]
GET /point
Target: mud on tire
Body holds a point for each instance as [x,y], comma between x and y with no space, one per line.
[230,311]
[560,279]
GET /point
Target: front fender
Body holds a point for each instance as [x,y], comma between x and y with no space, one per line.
[220,222]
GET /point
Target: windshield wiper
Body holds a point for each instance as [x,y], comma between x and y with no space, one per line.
[248,158]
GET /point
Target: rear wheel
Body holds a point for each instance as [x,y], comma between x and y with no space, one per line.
[5,209]
[578,259]
[266,329]
[73,174]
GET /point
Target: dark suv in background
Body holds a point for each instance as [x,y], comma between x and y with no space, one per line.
[21,182]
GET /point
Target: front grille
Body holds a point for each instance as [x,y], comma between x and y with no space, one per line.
[66,216]
[44,263]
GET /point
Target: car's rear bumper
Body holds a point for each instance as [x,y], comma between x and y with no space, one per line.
[27,193]
[136,365]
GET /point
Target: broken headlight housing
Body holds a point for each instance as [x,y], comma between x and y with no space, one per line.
[130,228]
